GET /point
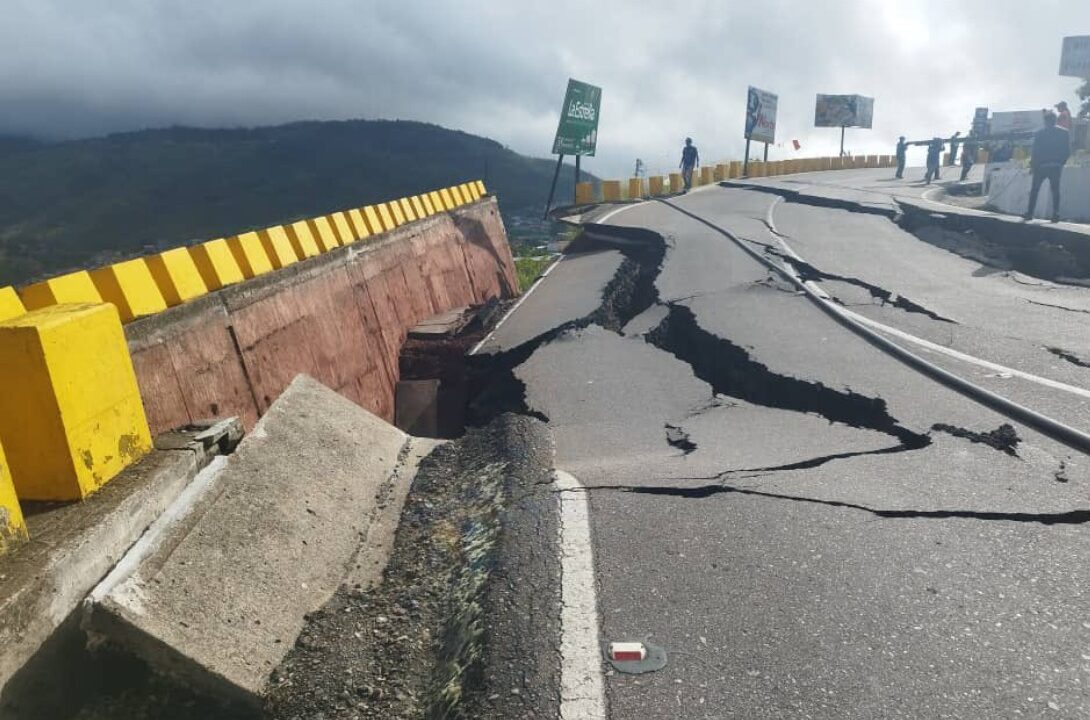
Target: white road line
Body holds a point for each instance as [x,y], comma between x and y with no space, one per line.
[618,211]
[927,344]
[582,690]
[477,348]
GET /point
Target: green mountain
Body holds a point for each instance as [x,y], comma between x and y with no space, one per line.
[82,203]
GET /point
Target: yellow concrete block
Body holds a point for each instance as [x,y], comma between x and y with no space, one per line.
[130,286]
[359,225]
[374,220]
[407,209]
[655,185]
[611,190]
[394,210]
[584,194]
[675,182]
[10,304]
[468,192]
[481,188]
[448,199]
[437,201]
[722,172]
[323,233]
[302,239]
[735,170]
[249,254]
[70,410]
[457,194]
[428,204]
[386,217]
[72,288]
[12,524]
[216,264]
[278,247]
[635,188]
[177,276]
[418,207]
[342,228]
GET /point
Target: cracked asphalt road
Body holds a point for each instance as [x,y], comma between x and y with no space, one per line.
[821,551]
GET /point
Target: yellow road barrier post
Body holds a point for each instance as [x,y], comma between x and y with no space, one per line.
[70,410]
[72,288]
[177,276]
[216,264]
[12,524]
[635,189]
[611,190]
[250,256]
[303,241]
[130,286]
[655,186]
[10,304]
[278,247]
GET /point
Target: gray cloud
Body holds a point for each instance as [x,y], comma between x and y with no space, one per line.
[84,67]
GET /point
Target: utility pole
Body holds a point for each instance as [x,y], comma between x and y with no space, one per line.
[639,168]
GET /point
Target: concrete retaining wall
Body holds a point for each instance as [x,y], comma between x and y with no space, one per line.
[340,317]
[1008,187]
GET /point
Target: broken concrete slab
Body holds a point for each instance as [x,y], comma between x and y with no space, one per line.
[43,582]
[222,595]
[444,325]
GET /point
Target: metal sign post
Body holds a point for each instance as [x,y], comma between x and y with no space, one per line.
[577,132]
[844,111]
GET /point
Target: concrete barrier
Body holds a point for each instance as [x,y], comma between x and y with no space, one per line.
[340,317]
[270,537]
[656,187]
[584,194]
[406,210]
[216,264]
[250,256]
[722,172]
[418,205]
[676,183]
[10,304]
[394,208]
[278,247]
[177,276]
[302,239]
[448,199]
[707,175]
[611,190]
[130,286]
[343,228]
[70,410]
[359,224]
[635,189]
[325,237]
[12,524]
[72,288]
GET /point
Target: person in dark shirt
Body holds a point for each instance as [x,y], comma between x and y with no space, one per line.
[902,153]
[690,158]
[968,157]
[1051,148]
[934,158]
[955,141]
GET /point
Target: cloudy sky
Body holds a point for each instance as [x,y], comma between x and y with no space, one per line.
[73,68]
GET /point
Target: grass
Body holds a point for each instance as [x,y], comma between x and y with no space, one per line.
[530,269]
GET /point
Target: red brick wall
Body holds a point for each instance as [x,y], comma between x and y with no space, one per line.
[340,317]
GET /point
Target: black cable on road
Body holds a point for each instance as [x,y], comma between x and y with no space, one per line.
[1043,424]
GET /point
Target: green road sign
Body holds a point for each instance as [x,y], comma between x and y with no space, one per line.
[577,133]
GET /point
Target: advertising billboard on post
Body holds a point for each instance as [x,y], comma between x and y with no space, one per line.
[577,133]
[844,111]
[761,115]
[1075,58]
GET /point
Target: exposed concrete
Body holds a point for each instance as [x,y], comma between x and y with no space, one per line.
[75,545]
[1009,188]
[418,407]
[221,599]
[340,317]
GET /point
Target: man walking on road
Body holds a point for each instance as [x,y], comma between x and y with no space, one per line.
[968,157]
[902,154]
[934,158]
[1051,148]
[690,158]
[955,141]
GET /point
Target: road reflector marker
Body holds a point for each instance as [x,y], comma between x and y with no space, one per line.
[627,651]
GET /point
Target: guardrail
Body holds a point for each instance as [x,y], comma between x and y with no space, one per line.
[588,193]
[71,415]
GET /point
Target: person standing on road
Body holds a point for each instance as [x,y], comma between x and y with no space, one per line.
[968,157]
[955,139]
[690,158]
[934,158]
[1051,148]
[902,154]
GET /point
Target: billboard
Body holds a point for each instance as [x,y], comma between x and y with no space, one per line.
[1016,121]
[1075,58]
[577,133]
[844,111]
[761,115]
